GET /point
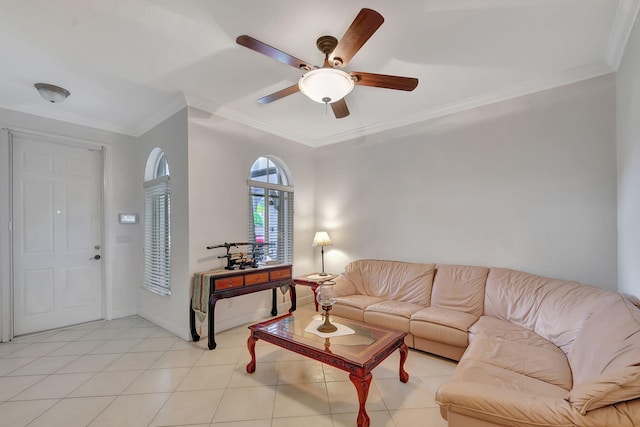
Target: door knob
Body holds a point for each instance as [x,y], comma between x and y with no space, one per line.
[95,257]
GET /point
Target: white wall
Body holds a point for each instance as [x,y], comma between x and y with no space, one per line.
[121,244]
[628,127]
[169,312]
[221,153]
[528,183]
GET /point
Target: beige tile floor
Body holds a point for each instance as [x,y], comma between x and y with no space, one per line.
[129,372]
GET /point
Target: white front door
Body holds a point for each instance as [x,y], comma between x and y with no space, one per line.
[57,233]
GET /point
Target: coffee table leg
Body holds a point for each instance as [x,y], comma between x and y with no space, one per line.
[251,345]
[362,386]
[404,376]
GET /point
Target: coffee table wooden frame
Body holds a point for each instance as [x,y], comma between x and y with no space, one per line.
[359,366]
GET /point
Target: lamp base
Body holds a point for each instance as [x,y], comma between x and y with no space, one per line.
[322,274]
[327,327]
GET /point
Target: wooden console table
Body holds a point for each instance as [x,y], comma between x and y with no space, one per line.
[210,286]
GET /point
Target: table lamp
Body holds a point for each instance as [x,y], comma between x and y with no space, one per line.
[322,239]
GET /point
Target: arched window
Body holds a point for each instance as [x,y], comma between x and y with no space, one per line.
[157,224]
[271,210]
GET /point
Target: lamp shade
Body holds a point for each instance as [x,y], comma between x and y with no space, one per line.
[321,239]
[326,85]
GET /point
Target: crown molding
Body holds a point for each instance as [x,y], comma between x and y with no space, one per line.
[175,104]
[167,110]
[182,100]
[72,118]
[546,82]
[526,88]
[626,16]
[235,116]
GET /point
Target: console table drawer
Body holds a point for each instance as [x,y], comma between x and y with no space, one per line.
[255,278]
[228,283]
[283,273]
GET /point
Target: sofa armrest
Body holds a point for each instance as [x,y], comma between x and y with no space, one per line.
[494,405]
[344,286]
[499,396]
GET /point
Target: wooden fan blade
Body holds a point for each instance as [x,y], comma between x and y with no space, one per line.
[272,52]
[340,109]
[279,94]
[361,29]
[385,81]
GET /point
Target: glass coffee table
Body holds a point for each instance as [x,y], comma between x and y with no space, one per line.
[357,353]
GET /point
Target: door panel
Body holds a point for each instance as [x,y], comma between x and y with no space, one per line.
[38,292]
[57,224]
[37,202]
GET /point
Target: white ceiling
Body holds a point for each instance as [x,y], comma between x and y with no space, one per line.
[129,64]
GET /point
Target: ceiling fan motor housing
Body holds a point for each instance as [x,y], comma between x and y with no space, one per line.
[326,45]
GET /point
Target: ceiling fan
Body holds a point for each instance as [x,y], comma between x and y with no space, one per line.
[329,84]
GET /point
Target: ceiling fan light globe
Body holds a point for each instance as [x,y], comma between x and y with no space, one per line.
[326,85]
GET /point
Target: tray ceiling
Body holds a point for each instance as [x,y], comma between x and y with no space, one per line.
[129,64]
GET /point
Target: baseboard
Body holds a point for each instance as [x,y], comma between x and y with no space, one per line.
[159,321]
[222,325]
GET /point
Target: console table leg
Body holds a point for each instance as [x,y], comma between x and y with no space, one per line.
[292,295]
[404,376]
[362,386]
[251,345]
[274,301]
[212,314]
[192,323]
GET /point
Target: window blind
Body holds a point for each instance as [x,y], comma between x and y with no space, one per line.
[271,219]
[157,243]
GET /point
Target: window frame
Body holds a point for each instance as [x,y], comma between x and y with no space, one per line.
[157,228]
[279,196]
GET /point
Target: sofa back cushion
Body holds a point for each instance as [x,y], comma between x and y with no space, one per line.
[394,280]
[555,309]
[566,308]
[460,288]
[515,296]
[605,358]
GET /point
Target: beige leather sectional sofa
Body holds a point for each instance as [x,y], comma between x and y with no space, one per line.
[532,351]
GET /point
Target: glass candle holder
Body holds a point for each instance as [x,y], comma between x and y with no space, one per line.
[326,297]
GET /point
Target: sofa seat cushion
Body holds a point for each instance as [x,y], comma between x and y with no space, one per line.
[358,301]
[503,329]
[544,363]
[348,312]
[442,325]
[391,314]
[391,321]
[395,308]
[501,396]
[445,317]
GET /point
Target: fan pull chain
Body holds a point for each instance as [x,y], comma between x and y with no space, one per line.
[326,101]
